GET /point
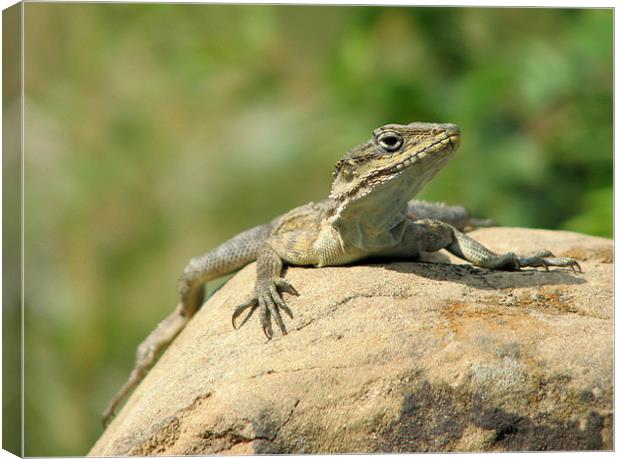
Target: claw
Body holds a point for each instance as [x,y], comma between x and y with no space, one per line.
[268,331]
[290,289]
[286,286]
[566,262]
[273,302]
[545,259]
[269,302]
[265,317]
[280,302]
[253,303]
[246,318]
[276,315]
[286,309]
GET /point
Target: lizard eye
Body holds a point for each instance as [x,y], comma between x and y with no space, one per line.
[390,141]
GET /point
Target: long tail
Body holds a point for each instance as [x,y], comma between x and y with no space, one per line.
[224,259]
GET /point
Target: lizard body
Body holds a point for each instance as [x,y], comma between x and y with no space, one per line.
[368,214]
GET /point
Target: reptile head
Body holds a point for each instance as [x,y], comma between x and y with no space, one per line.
[398,161]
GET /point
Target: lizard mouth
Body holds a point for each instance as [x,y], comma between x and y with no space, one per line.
[449,143]
[409,166]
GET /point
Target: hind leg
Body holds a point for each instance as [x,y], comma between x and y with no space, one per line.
[457,216]
[432,235]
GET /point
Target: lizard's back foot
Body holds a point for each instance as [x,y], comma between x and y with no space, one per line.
[542,259]
[545,259]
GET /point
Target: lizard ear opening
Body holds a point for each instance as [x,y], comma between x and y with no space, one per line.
[337,168]
[344,172]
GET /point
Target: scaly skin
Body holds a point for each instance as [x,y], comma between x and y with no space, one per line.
[368,214]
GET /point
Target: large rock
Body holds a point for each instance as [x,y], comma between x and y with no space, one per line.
[397,356]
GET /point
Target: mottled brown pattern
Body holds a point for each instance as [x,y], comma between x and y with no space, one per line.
[368,214]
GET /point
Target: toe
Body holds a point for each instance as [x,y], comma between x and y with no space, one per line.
[280,302]
[273,310]
[252,303]
[285,286]
[265,318]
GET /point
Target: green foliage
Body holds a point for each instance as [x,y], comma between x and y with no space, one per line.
[154,132]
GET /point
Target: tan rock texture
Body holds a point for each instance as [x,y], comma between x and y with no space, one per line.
[393,357]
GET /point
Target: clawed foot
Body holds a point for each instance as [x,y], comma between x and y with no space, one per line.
[544,259]
[269,302]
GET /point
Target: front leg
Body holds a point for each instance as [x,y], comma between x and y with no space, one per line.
[432,235]
[267,298]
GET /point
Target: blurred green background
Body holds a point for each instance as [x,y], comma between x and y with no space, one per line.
[155,132]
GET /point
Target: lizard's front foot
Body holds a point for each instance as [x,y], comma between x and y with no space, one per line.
[269,302]
[543,259]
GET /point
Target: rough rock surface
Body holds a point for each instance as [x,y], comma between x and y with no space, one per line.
[393,357]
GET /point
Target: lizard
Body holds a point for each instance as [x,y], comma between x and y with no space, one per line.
[369,213]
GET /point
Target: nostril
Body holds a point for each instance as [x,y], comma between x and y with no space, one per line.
[452,129]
